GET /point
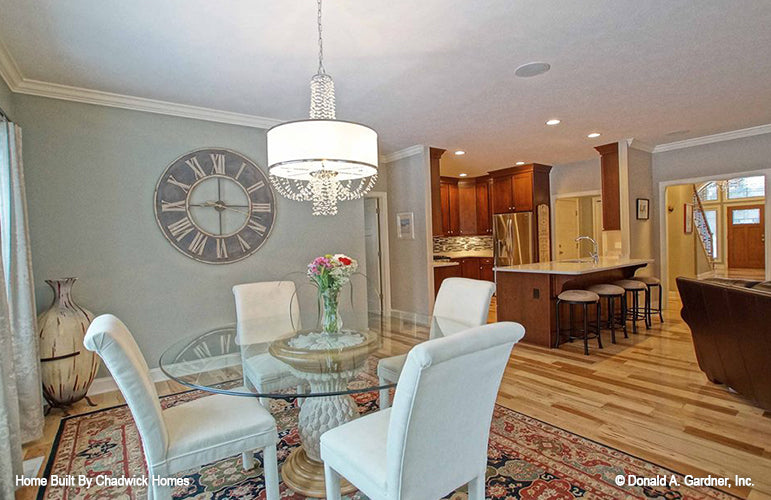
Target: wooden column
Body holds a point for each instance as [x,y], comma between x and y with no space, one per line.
[436,202]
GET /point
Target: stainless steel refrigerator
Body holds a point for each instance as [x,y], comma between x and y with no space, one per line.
[513,241]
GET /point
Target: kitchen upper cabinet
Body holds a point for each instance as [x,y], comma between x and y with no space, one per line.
[467,207]
[611,194]
[484,215]
[436,202]
[520,189]
[450,208]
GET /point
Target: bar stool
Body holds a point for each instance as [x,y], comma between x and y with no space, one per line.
[635,313]
[612,292]
[652,283]
[580,298]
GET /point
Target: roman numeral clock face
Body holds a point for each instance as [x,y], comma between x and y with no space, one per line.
[215,206]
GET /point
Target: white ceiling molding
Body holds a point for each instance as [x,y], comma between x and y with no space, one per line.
[709,139]
[9,71]
[639,145]
[77,94]
[402,153]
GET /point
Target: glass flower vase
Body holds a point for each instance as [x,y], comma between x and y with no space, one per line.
[331,321]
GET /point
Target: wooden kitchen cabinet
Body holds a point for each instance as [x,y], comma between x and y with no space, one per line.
[611,195]
[436,203]
[486,269]
[520,189]
[467,207]
[444,272]
[483,213]
[469,267]
[450,208]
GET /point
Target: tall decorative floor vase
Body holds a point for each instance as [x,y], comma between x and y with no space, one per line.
[67,367]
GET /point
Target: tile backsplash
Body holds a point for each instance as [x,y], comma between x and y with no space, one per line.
[460,243]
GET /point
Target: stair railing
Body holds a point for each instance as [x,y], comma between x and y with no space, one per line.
[702,229]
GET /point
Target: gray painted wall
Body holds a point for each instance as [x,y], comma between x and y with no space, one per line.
[90,174]
[408,179]
[640,231]
[576,177]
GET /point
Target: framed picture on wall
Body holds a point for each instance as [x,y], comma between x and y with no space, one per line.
[687,218]
[405,226]
[643,209]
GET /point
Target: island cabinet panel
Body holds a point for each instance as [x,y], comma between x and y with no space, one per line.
[484,215]
[467,203]
[611,195]
[530,298]
[444,272]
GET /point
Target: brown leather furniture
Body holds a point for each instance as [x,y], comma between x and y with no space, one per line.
[729,321]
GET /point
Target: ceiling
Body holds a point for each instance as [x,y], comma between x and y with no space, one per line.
[436,72]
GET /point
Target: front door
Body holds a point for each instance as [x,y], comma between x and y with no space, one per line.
[746,237]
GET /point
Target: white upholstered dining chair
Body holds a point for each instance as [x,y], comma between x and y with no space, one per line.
[461,303]
[434,439]
[190,434]
[265,311]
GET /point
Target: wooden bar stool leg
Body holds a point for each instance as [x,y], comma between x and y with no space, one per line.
[612,323]
[599,336]
[557,343]
[647,308]
[661,290]
[572,325]
[635,310]
[623,315]
[586,329]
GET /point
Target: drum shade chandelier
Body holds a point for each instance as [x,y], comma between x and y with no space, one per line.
[322,160]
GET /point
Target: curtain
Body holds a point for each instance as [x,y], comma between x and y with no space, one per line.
[21,408]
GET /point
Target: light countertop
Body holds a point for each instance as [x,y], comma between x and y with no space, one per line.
[439,263]
[467,253]
[564,267]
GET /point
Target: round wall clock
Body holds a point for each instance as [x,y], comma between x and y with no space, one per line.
[214,205]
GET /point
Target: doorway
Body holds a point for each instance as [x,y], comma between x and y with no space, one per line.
[746,237]
[376,251]
[566,223]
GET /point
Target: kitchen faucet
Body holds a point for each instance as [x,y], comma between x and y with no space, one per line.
[595,253]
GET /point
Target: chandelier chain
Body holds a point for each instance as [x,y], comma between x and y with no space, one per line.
[321,41]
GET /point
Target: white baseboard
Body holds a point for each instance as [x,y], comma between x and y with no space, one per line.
[705,275]
[107,384]
[417,318]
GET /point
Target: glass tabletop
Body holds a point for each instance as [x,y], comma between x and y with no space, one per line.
[298,363]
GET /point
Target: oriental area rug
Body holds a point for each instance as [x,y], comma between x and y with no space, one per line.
[527,459]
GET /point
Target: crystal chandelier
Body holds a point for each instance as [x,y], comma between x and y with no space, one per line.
[322,159]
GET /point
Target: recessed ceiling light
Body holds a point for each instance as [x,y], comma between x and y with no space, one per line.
[532,69]
[460,153]
[463,175]
[553,121]
[593,135]
[520,163]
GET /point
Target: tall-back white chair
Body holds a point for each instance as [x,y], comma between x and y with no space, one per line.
[264,312]
[461,304]
[441,415]
[190,434]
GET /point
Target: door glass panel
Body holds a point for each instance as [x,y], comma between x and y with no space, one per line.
[746,216]
[747,187]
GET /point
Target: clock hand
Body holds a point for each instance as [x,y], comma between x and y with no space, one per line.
[216,204]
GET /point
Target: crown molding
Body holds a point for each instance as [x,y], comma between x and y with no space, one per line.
[9,71]
[88,96]
[639,145]
[402,153]
[16,82]
[709,139]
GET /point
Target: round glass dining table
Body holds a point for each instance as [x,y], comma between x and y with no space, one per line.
[319,370]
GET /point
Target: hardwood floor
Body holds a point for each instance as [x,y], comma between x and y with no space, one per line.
[645,396]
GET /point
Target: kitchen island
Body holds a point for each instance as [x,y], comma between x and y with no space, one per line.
[527,293]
